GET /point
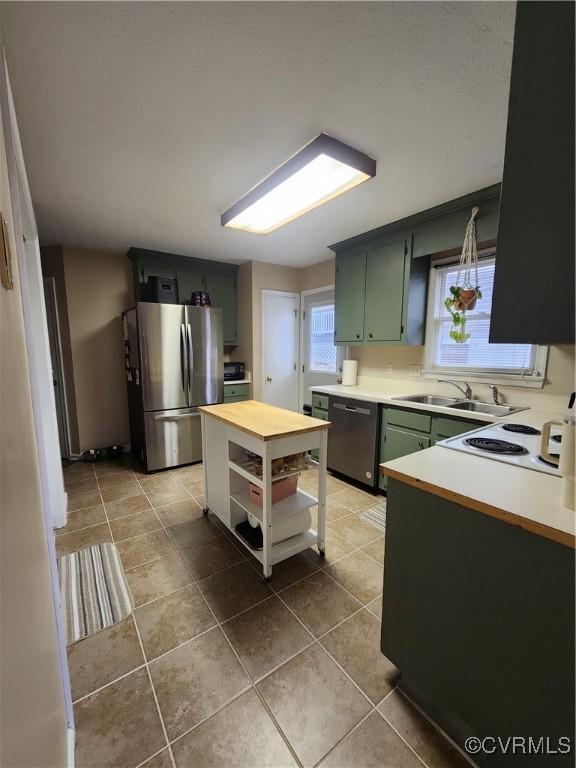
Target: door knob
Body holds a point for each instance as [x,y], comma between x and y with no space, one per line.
[370,335]
[269,379]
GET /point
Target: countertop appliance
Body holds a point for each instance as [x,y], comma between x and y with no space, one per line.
[174,363]
[353,439]
[517,444]
[234,371]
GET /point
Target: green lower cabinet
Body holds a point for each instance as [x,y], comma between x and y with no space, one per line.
[396,443]
[318,413]
[235,393]
[443,427]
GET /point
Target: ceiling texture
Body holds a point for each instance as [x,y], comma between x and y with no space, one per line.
[142,122]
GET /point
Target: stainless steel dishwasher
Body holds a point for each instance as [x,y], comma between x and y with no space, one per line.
[353,439]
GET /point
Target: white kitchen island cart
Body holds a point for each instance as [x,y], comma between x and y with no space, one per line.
[232,432]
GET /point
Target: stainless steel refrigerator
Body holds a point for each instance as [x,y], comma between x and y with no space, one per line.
[174,363]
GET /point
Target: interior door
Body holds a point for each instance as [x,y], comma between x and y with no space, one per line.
[384,293]
[321,358]
[205,355]
[163,354]
[280,347]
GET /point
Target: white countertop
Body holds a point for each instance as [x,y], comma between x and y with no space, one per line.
[513,494]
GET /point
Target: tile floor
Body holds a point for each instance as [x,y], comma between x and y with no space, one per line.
[216,667]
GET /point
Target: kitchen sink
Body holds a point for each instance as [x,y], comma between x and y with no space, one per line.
[476,406]
[429,400]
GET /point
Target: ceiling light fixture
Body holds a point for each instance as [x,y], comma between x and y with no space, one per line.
[323,169]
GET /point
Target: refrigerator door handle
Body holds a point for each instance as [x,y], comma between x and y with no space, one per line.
[190,360]
[184,369]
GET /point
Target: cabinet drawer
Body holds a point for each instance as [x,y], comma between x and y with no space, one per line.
[319,401]
[409,419]
[395,443]
[443,427]
[232,399]
[236,390]
[320,413]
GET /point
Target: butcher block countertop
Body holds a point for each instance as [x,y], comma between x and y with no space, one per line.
[265,422]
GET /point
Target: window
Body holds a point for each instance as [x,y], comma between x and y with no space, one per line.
[323,353]
[476,357]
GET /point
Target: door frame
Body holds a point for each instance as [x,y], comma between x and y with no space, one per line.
[289,295]
[58,364]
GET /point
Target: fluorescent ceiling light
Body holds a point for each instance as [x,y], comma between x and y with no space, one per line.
[323,169]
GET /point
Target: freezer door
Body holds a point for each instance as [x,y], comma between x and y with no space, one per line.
[172,438]
[163,355]
[206,355]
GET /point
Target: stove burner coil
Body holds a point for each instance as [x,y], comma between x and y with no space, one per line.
[521,429]
[550,463]
[492,445]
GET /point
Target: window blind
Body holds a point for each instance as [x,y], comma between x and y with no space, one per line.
[323,353]
[477,354]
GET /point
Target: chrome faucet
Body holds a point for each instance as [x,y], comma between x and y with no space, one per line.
[496,395]
[466,392]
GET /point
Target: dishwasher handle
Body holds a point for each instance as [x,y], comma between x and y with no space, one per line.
[352,409]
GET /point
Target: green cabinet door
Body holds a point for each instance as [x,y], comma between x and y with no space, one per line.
[384,292]
[189,280]
[349,298]
[222,292]
[396,443]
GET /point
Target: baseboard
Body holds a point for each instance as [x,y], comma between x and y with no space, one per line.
[78,456]
[70,739]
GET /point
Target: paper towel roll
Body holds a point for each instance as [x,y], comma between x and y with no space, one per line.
[349,371]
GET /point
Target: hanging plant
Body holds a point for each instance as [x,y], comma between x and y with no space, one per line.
[464,295]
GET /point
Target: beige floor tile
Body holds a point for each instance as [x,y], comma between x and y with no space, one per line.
[135,525]
[156,579]
[87,537]
[103,657]
[376,606]
[233,590]
[104,468]
[142,549]
[355,530]
[179,512]
[423,737]
[194,680]
[335,548]
[334,511]
[172,620]
[119,725]
[74,473]
[320,603]
[84,499]
[308,482]
[240,735]
[189,474]
[161,760]
[117,478]
[210,556]
[376,550]
[121,491]
[194,487]
[355,499]
[289,571]
[193,531]
[372,745]
[83,518]
[359,574]
[80,486]
[160,497]
[125,507]
[355,645]
[266,636]
[313,702]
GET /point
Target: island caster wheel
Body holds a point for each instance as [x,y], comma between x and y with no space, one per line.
[322,552]
[205,511]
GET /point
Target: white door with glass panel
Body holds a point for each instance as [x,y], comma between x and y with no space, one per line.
[321,359]
[280,348]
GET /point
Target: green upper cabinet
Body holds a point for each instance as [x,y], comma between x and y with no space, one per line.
[385,292]
[380,295]
[222,292]
[350,296]
[215,277]
[189,280]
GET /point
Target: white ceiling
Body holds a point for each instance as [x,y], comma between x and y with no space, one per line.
[142,122]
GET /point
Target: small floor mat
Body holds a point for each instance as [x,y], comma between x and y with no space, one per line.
[376,515]
[95,593]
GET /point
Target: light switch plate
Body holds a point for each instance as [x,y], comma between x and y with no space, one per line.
[387,370]
[415,370]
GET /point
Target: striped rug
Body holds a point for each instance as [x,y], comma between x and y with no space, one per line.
[376,515]
[95,594]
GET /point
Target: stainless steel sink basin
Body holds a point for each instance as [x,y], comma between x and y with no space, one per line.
[429,399]
[475,406]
